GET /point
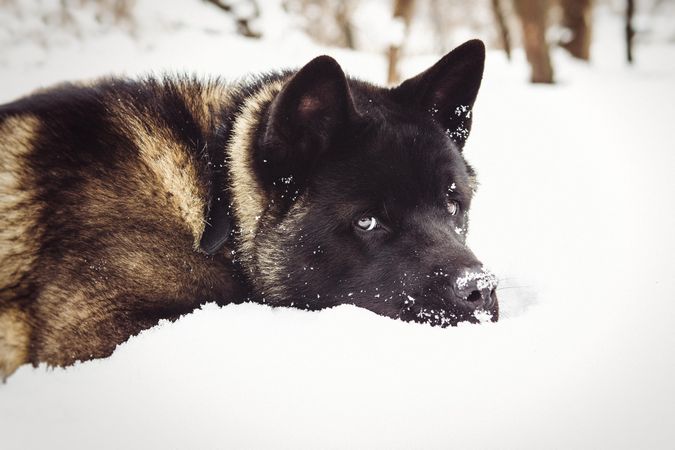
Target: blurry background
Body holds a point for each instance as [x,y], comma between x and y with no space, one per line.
[394,28]
[574,212]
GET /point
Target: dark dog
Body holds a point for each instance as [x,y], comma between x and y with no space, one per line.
[126,202]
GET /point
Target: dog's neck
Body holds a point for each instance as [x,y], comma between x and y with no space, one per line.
[218,222]
[246,200]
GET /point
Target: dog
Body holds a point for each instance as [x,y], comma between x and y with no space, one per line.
[124,202]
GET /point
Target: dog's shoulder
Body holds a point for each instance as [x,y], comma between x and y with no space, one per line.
[151,136]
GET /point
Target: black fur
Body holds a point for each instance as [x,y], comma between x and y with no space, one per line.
[393,154]
[115,250]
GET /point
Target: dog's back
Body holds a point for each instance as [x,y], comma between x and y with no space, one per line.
[17,250]
[126,202]
[87,175]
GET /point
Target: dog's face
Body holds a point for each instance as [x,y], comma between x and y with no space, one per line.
[368,194]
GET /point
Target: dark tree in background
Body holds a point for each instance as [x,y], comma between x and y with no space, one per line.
[242,16]
[343,16]
[577,18]
[403,11]
[438,24]
[630,31]
[533,16]
[502,27]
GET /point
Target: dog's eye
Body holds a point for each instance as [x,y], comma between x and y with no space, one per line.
[367,223]
[453,207]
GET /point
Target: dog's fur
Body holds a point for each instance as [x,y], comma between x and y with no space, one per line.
[125,202]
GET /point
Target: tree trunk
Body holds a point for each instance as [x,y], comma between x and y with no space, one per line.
[502,27]
[403,10]
[533,16]
[343,18]
[630,31]
[577,17]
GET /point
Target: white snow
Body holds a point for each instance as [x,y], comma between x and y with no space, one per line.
[574,214]
[396,32]
[484,279]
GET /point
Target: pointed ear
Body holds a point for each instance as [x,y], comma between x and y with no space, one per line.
[448,89]
[305,118]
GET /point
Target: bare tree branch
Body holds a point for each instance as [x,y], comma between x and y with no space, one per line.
[533,16]
[502,27]
[403,10]
[243,23]
[630,31]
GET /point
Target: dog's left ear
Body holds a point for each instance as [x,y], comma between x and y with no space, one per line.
[305,118]
[448,89]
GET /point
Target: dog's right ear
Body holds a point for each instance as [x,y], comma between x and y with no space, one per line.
[304,119]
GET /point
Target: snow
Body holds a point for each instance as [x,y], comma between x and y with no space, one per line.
[484,279]
[574,214]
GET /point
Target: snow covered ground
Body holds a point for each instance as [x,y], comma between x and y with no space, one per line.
[575,212]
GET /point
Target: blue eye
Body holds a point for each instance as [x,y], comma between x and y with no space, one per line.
[367,223]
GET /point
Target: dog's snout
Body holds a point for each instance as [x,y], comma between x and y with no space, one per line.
[475,287]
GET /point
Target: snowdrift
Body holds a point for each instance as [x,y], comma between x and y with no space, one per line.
[574,212]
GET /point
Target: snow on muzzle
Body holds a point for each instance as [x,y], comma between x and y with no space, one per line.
[475,288]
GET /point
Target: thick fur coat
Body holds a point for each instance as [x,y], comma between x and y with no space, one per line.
[124,202]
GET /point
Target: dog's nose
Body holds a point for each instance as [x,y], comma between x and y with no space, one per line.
[474,287]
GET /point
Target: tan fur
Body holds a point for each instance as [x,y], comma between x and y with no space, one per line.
[134,258]
[473,183]
[14,340]
[172,166]
[18,212]
[103,207]
[271,261]
[71,328]
[247,195]
[204,104]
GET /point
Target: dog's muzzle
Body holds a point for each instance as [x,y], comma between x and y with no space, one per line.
[475,288]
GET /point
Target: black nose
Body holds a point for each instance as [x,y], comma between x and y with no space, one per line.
[474,287]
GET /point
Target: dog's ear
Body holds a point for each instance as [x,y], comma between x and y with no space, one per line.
[448,89]
[305,118]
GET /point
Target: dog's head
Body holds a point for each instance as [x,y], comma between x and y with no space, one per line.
[364,194]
